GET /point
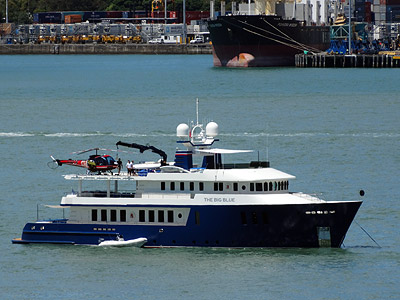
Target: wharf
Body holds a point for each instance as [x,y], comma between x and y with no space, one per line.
[385,60]
[105,49]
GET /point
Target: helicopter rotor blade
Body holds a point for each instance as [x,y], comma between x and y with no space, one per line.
[99,149]
[84,151]
[53,164]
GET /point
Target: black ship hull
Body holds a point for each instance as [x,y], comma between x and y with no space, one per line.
[263,41]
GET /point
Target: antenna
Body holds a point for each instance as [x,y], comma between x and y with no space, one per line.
[197,111]
[267,146]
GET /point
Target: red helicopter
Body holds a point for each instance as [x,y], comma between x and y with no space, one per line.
[95,163]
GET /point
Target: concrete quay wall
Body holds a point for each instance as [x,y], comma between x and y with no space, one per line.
[105,49]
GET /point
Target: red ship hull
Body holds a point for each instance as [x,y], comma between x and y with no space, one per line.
[263,41]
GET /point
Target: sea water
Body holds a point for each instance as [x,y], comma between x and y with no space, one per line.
[336,130]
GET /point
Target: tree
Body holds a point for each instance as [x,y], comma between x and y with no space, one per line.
[21,11]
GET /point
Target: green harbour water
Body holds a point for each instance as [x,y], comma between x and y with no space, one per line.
[336,130]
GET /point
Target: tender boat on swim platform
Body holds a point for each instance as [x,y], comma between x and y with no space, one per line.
[120,242]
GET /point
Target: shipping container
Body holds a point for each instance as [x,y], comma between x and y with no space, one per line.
[158,14]
[174,29]
[138,14]
[94,16]
[393,13]
[114,14]
[47,17]
[196,15]
[127,14]
[71,19]
[66,13]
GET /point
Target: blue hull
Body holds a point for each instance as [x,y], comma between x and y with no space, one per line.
[306,225]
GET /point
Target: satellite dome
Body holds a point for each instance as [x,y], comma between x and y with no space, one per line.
[212,129]
[182,130]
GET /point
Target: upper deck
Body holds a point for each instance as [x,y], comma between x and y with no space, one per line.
[168,173]
[199,169]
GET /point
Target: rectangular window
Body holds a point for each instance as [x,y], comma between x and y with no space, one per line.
[182,186]
[141,216]
[252,186]
[258,186]
[94,214]
[163,186]
[215,186]
[170,216]
[122,215]
[191,186]
[221,186]
[151,215]
[113,215]
[197,218]
[235,186]
[265,186]
[104,215]
[265,217]
[243,217]
[201,186]
[161,216]
[172,186]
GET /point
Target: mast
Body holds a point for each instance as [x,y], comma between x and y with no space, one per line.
[6,11]
[294,10]
[197,111]
[349,26]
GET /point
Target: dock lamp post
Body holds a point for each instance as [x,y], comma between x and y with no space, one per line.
[391,21]
[184,21]
[6,11]
[349,26]
[165,12]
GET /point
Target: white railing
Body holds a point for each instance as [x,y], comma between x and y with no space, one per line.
[309,197]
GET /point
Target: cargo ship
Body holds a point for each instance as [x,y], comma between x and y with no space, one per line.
[264,40]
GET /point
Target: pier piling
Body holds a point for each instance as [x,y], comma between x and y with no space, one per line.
[347,61]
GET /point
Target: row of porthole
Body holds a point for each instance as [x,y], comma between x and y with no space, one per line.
[320,212]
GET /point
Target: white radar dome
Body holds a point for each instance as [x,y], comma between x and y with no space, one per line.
[212,129]
[182,130]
